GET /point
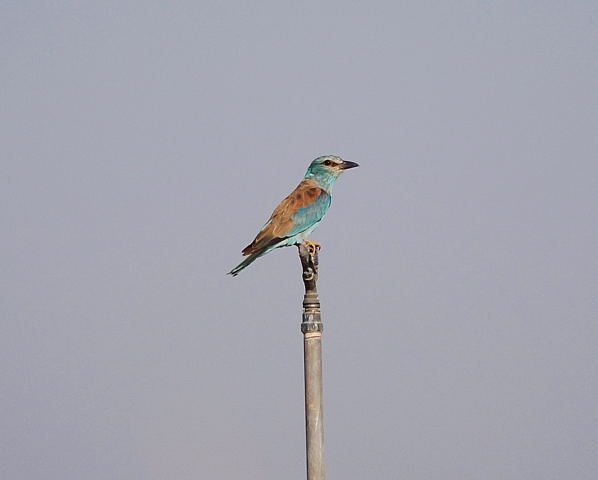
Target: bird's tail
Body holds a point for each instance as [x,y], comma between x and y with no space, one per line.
[249,260]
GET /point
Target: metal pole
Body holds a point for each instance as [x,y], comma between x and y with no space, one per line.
[312,327]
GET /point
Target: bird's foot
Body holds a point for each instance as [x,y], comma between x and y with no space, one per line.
[312,247]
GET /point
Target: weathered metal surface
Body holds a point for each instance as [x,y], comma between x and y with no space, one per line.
[312,348]
[312,327]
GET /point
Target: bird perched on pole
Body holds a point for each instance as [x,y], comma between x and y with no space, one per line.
[299,213]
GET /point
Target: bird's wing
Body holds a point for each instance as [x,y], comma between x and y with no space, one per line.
[305,206]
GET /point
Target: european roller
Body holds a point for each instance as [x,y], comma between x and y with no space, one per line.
[299,213]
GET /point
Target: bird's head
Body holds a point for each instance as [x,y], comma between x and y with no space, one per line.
[326,169]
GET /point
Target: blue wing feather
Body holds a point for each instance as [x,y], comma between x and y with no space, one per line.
[308,216]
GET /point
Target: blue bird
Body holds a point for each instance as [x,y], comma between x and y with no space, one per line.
[299,213]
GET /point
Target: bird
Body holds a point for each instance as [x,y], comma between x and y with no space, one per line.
[299,213]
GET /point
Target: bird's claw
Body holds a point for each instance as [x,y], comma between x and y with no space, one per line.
[312,247]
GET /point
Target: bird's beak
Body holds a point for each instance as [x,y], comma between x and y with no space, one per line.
[346,165]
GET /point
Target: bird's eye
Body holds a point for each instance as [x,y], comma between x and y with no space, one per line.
[327,163]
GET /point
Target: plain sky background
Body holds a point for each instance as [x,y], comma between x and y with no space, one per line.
[144,144]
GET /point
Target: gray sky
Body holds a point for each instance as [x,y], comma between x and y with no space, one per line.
[145,143]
